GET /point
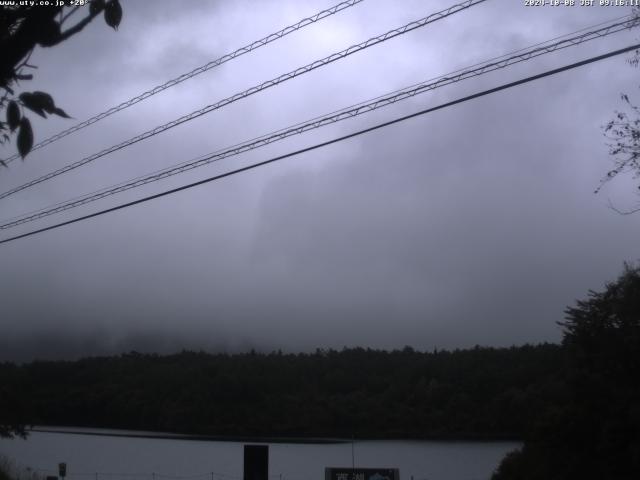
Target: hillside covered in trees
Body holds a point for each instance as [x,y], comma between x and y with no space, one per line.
[575,405]
[594,432]
[476,393]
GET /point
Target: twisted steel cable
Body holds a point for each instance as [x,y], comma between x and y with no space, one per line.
[258,88]
[196,71]
[349,112]
[329,142]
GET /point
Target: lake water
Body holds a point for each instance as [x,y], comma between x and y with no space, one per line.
[98,457]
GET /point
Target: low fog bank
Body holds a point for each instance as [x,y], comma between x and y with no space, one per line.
[52,346]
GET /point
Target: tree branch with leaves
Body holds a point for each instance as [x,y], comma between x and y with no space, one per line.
[22,29]
[623,134]
[623,139]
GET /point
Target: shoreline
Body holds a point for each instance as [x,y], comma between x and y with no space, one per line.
[258,439]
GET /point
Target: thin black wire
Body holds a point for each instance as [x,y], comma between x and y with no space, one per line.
[256,89]
[330,142]
[343,114]
[200,157]
[196,71]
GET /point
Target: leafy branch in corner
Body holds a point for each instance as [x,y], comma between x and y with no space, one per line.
[623,133]
[623,139]
[23,28]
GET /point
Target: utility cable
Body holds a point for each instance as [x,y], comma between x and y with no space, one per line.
[263,86]
[343,114]
[329,142]
[196,71]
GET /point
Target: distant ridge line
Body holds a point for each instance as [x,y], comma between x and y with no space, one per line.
[186,436]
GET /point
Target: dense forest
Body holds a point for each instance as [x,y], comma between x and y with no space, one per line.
[576,405]
[594,432]
[476,393]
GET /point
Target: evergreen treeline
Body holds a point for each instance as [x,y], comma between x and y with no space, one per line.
[476,393]
[594,432]
[576,405]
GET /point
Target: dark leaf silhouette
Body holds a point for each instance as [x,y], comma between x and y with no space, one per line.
[27,28]
[44,100]
[32,102]
[13,115]
[113,13]
[60,113]
[41,102]
[25,137]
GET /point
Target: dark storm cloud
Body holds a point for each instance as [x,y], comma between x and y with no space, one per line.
[475,224]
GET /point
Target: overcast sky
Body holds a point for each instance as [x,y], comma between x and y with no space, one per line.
[476,224]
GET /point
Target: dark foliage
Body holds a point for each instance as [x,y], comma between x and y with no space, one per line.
[595,433]
[623,135]
[14,407]
[22,28]
[477,393]
[4,475]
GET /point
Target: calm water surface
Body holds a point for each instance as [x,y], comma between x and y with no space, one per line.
[94,457]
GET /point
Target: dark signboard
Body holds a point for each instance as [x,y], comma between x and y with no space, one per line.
[361,474]
[256,462]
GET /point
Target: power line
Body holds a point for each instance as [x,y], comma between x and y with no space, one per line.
[318,122]
[196,71]
[343,114]
[263,86]
[329,142]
